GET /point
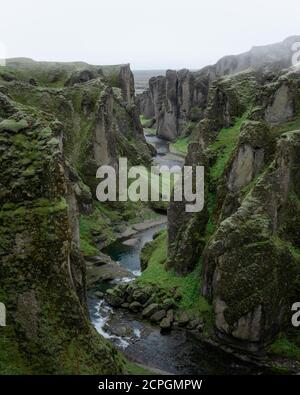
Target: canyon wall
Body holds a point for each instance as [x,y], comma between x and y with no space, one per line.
[246,238]
[58,123]
[181,96]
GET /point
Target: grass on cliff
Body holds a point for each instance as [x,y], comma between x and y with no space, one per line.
[97,223]
[288,126]
[180,145]
[287,346]
[224,146]
[189,286]
[104,221]
[11,360]
[144,120]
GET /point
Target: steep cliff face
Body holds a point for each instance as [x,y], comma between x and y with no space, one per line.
[243,239]
[228,100]
[183,95]
[58,124]
[250,264]
[42,273]
[174,99]
[98,113]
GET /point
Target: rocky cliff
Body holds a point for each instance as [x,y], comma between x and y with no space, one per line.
[58,123]
[181,96]
[245,240]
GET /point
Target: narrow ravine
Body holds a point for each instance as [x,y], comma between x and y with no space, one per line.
[176,353]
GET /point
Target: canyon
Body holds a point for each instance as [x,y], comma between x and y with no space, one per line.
[226,276]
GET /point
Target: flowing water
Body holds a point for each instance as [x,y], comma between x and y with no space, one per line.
[178,352]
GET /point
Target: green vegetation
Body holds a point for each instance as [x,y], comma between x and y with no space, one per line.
[99,222]
[104,221]
[188,286]
[11,360]
[180,145]
[210,226]
[288,126]
[137,370]
[147,124]
[144,120]
[286,347]
[224,147]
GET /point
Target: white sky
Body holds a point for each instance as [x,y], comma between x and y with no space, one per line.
[149,34]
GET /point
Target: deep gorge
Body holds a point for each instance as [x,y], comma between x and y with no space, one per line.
[219,284]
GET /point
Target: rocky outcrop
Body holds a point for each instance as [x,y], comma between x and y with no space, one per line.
[183,95]
[243,237]
[228,99]
[42,273]
[100,120]
[154,304]
[173,99]
[185,230]
[145,104]
[274,57]
[250,263]
[55,133]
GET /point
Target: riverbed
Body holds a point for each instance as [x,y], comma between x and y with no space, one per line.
[178,352]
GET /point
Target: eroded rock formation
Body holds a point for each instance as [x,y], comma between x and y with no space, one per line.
[182,95]
[53,138]
[244,236]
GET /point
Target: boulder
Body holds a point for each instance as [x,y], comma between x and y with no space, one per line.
[99,294]
[168,303]
[114,297]
[177,295]
[158,316]
[150,310]
[193,324]
[183,318]
[106,272]
[165,325]
[141,295]
[135,307]
[170,315]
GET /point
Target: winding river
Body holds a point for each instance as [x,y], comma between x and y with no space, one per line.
[176,353]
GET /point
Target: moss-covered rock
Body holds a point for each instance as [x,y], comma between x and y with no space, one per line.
[249,268]
[42,273]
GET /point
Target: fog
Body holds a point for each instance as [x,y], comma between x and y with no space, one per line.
[148,34]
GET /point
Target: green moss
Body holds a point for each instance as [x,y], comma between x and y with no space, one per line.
[285,347]
[224,146]
[11,359]
[181,145]
[189,286]
[12,125]
[211,224]
[113,79]
[144,120]
[98,223]
[137,370]
[287,126]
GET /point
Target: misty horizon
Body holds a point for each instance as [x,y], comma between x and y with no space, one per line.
[162,36]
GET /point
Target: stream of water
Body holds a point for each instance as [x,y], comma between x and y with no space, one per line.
[178,352]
